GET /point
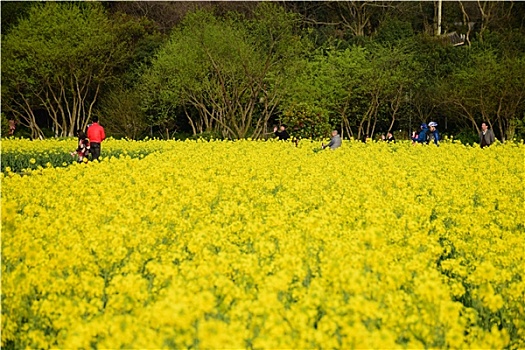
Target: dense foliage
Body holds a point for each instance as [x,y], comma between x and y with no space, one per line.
[217,245]
[60,60]
[233,70]
[225,74]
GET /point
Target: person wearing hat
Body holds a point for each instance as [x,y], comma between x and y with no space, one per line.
[434,134]
[422,136]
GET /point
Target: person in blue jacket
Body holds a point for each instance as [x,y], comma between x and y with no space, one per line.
[422,136]
[434,134]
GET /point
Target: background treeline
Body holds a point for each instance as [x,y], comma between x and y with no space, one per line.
[234,69]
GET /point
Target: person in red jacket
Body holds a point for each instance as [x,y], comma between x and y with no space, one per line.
[96,135]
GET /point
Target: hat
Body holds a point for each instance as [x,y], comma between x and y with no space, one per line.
[424,125]
[432,124]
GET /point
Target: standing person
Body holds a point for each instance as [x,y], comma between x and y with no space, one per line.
[422,136]
[281,134]
[96,135]
[82,150]
[434,133]
[335,142]
[486,136]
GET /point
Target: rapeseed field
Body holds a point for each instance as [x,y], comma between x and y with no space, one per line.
[24,156]
[261,244]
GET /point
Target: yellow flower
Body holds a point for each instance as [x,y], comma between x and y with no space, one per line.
[216,244]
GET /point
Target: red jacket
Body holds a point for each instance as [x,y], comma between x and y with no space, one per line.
[95,133]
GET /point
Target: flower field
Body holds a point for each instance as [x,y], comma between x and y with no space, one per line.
[254,244]
[23,155]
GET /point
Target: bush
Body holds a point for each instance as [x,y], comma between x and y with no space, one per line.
[306,121]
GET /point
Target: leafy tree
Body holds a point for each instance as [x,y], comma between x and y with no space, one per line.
[386,77]
[122,114]
[225,74]
[488,88]
[120,101]
[165,14]
[356,87]
[393,31]
[58,60]
[436,61]
[12,12]
[356,18]
[328,81]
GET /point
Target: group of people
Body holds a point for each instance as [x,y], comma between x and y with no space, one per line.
[427,134]
[334,143]
[89,143]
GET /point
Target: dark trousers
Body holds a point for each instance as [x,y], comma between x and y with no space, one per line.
[94,150]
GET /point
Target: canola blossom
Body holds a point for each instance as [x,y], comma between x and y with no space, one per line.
[23,155]
[254,244]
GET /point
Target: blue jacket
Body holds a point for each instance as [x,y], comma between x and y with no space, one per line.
[422,137]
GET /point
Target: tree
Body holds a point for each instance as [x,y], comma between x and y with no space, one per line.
[356,87]
[122,114]
[225,74]
[436,60]
[359,18]
[119,103]
[12,12]
[327,81]
[169,14]
[488,88]
[389,74]
[58,60]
